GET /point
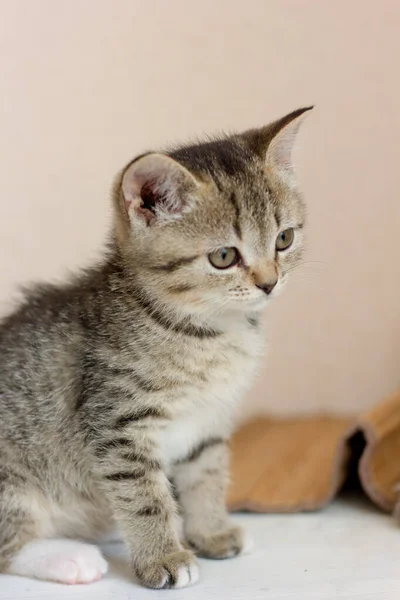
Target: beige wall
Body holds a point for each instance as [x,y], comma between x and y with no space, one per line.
[86,84]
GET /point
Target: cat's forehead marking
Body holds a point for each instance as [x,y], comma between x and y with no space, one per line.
[237,227]
[217,158]
[257,210]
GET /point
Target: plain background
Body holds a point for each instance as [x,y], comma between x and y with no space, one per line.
[87,84]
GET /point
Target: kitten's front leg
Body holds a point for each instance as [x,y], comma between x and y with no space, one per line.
[139,492]
[201,482]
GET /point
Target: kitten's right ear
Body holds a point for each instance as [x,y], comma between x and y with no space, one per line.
[274,143]
[154,189]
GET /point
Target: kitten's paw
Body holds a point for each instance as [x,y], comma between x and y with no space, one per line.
[176,570]
[64,561]
[225,544]
[248,543]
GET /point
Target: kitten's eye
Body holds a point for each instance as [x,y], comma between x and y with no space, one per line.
[284,239]
[224,258]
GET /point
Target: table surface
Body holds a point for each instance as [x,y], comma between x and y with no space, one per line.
[349,551]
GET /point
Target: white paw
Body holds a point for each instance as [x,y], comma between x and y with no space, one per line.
[248,544]
[187,575]
[65,561]
[174,570]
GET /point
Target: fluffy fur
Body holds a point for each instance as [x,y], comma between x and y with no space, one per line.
[117,390]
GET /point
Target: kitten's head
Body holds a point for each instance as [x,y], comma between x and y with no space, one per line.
[216,226]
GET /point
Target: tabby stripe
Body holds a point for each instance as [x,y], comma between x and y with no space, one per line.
[236,225]
[138,415]
[133,457]
[174,265]
[10,477]
[219,185]
[107,445]
[180,289]
[146,385]
[149,511]
[143,384]
[184,327]
[126,475]
[198,451]
[116,371]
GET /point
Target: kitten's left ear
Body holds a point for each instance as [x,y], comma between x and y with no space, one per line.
[154,188]
[274,143]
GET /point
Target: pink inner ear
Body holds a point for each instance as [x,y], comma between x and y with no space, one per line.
[281,147]
[283,152]
[156,188]
[148,215]
[149,196]
[161,194]
[146,202]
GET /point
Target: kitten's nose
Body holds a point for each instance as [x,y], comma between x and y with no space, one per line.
[268,287]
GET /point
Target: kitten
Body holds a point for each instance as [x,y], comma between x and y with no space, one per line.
[117,389]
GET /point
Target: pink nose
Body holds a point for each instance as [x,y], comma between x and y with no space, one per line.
[268,287]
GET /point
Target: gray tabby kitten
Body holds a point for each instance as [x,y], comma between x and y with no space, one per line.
[117,389]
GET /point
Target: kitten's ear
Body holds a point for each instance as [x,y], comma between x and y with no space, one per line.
[155,188]
[274,143]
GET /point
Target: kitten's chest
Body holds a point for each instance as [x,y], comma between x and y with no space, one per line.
[205,408]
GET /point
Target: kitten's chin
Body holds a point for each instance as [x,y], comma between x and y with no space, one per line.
[255,305]
[216,307]
[246,307]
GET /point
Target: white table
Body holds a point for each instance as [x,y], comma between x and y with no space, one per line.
[349,551]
